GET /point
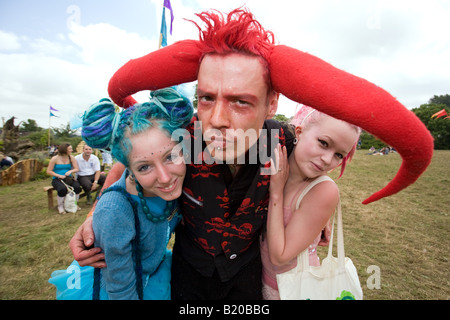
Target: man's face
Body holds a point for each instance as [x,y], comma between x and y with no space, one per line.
[232,95]
[87,151]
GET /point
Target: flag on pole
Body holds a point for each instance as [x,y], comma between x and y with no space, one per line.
[441,113]
[163,32]
[51,113]
[169,6]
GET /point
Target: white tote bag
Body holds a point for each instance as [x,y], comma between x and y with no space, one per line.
[70,200]
[335,279]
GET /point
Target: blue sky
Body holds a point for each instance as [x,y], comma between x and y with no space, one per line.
[45,18]
[63,53]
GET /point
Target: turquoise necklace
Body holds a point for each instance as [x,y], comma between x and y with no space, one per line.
[169,212]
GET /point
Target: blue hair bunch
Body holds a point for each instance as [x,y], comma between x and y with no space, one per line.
[105,128]
[98,124]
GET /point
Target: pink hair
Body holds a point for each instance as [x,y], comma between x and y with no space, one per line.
[306,116]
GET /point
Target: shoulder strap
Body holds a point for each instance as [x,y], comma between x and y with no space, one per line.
[135,243]
[303,257]
[69,188]
[310,186]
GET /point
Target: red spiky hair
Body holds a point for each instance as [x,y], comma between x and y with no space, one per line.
[238,32]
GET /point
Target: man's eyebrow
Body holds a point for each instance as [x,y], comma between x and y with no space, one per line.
[242,96]
[201,92]
[233,97]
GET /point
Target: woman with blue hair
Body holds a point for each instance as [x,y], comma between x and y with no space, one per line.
[135,217]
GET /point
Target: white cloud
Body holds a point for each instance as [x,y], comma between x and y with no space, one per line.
[69,73]
[8,41]
[104,44]
[50,48]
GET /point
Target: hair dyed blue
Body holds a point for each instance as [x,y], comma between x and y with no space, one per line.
[105,128]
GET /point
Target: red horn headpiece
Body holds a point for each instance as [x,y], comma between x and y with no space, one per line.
[305,79]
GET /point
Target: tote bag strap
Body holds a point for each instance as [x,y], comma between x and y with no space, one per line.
[303,257]
[69,188]
[340,237]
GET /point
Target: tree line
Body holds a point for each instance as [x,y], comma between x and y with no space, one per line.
[29,130]
[438,127]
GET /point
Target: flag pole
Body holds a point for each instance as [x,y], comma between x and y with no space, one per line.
[163,32]
[49,117]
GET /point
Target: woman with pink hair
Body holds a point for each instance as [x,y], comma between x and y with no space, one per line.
[302,196]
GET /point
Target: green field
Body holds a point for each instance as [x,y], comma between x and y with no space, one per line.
[405,236]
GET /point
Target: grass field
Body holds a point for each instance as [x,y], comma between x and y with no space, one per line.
[404,238]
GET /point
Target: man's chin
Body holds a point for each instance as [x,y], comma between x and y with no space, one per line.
[222,156]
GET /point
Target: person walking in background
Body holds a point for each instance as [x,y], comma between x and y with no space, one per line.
[107,160]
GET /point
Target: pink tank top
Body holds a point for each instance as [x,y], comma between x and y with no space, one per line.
[269,270]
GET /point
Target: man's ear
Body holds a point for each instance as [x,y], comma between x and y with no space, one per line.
[273,104]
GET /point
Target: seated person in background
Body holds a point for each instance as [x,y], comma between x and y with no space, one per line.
[6,161]
[89,175]
[61,167]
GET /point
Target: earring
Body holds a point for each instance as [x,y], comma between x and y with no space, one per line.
[131,176]
[295,141]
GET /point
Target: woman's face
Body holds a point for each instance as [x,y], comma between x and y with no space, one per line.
[322,146]
[153,165]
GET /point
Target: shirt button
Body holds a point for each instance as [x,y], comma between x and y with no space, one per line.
[233,256]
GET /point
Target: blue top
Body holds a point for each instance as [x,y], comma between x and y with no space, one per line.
[114,228]
[61,169]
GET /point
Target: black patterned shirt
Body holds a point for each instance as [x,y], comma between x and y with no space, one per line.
[223,216]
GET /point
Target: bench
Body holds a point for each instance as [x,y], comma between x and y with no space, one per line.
[50,202]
